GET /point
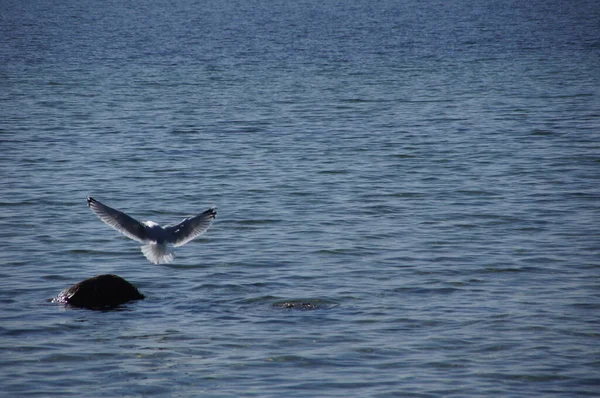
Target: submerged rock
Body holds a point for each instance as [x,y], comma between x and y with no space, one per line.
[98,292]
[296,305]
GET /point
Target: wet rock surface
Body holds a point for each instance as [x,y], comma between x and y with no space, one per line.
[99,292]
[296,305]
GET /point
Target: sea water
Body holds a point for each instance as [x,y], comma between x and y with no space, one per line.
[425,174]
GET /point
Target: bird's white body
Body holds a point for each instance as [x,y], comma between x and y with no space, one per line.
[158,253]
[155,237]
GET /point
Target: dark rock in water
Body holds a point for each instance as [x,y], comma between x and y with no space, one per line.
[296,305]
[102,291]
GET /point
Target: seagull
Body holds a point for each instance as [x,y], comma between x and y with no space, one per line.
[155,237]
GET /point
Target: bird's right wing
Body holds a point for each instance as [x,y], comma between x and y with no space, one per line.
[190,228]
[120,221]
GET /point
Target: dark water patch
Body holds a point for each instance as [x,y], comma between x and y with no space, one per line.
[334,171]
[541,260]
[302,193]
[476,192]
[88,251]
[459,284]
[292,360]
[18,203]
[257,222]
[447,365]
[337,252]
[381,209]
[364,100]
[586,306]
[503,270]
[402,195]
[55,277]
[175,265]
[403,156]
[550,376]
[426,291]
[543,133]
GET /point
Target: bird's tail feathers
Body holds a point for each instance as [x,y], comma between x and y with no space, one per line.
[158,253]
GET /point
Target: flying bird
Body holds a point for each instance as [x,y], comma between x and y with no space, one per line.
[155,238]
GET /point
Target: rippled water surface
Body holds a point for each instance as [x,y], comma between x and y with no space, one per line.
[423,176]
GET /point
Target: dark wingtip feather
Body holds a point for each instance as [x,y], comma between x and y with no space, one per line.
[90,200]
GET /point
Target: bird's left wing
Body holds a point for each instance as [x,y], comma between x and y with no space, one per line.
[120,221]
[190,228]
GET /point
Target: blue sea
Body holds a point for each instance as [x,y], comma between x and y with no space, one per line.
[426,174]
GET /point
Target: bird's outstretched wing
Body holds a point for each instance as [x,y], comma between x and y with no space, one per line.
[120,221]
[189,228]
